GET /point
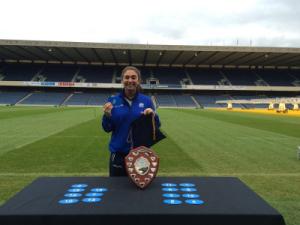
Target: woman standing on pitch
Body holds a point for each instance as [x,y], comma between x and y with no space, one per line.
[119,112]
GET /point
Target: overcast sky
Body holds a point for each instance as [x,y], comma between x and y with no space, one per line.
[184,22]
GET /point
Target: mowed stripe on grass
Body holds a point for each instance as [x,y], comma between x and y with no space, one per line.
[30,126]
[221,146]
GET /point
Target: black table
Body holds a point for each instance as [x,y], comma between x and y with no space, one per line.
[221,200]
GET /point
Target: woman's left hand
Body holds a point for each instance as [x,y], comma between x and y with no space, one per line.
[148,111]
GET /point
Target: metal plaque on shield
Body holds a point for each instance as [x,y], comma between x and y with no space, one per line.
[142,166]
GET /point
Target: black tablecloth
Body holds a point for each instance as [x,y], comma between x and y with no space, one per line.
[222,200]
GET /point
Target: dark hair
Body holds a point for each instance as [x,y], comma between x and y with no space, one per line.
[138,72]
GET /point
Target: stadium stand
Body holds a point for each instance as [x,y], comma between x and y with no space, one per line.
[177,76]
[206,76]
[241,77]
[96,74]
[209,101]
[77,98]
[249,97]
[84,99]
[276,77]
[183,100]
[11,98]
[165,100]
[296,76]
[169,75]
[172,77]
[98,99]
[19,72]
[45,98]
[58,73]
[295,73]
[146,74]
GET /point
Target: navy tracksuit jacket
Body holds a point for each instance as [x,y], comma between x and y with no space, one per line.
[122,116]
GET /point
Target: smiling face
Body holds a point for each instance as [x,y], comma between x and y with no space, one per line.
[131,81]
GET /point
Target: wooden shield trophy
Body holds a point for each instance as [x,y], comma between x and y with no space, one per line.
[142,166]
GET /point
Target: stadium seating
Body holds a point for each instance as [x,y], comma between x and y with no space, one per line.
[57,73]
[80,98]
[183,100]
[241,77]
[205,76]
[45,98]
[97,74]
[171,78]
[171,99]
[209,101]
[169,75]
[19,72]
[11,98]
[98,98]
[248,97]
[296,75]
[146,74]
[165,100]
[276,78]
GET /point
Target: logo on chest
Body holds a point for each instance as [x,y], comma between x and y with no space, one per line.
[141,105]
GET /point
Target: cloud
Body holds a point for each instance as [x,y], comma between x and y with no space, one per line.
[191,22]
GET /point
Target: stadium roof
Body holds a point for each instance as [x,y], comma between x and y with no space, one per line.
[147,55]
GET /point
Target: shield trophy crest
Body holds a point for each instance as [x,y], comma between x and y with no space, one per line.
[142,165]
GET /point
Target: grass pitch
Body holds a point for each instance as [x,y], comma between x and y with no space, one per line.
[259,149]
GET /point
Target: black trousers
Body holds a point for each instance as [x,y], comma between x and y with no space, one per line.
[117,164]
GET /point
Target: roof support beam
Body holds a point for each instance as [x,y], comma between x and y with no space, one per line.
[30,53]
[68,57]
[244,56]
[13,52]
[81,55]
[296,59]
[129,57]
[191,58]
[208,58]
[221,59]
[252,61]
[176,57]
[288,58]
[97,55]
[269,60]
[161,55]
[114,56]
[4,54]
[145,57]
[48,53]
